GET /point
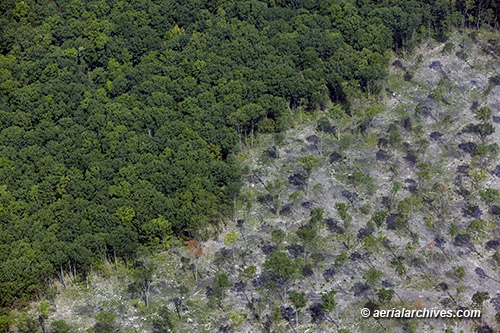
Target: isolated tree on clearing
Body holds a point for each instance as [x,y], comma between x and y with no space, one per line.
[195,250]
[283,269]
[143,276]
[276,189]
[309,163]
[299,301]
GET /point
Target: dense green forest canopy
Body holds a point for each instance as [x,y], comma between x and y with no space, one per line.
[119,120]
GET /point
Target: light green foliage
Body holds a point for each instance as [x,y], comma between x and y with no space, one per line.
[165,322]
[309,163]
[248,272]
[236,318]
[460,272]
[448,47]
[5,322]
[282,267]
[231,238]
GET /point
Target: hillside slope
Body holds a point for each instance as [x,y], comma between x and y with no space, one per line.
[393,206]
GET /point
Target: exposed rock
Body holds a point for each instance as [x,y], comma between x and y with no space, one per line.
[496,172]
[436,65]
[495,210]
[436,135]
[391,222]
[468,147]
[412,185]
[295,250]
[472,211]
[492,244]
[329,273]
[382,142]
[463,168]
[296,180]
[360,288]
[335,157]
[351,196]
[382,155]
[463,241]
[313,139]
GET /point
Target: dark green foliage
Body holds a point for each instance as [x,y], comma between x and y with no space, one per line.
[490,195]
[379,217]
[483,130]
[298,299]
[480,296]
[219,287]
[341,259]
[328,301]
[372,275]
[105,322]
[283,268]
[496,257]
[341,208]
[483,114]
[60,326]
[166,321]
[277,236]
[385,295]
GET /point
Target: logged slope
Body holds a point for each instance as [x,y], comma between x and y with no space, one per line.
[119,120]
[394,207]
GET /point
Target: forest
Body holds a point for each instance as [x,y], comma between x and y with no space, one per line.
[120,121]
